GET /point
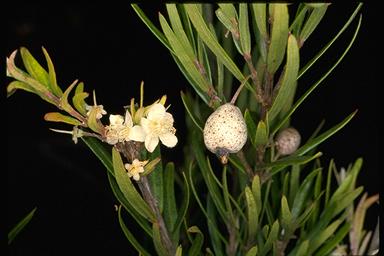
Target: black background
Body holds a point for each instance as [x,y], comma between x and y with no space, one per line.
[111,50]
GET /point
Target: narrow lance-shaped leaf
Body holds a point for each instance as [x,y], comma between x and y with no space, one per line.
[336,239]
[128,188]
[245,35]
[178,29]
[58,117]
[34,85]
[14,85]
[197,243]
[52,75]
[131,237]
[286,215]
[261,137]
[303,194]
[272,237]
[279,35]
[251,126]
[322,137]
[34,68]
[210,40]
[158,243]
[186,59]
[156,179]
[260,13]
[184,206]
[20,226]
[252,214]
[170,209]
[252,251]
[78,99]
[288,80]
[311,23]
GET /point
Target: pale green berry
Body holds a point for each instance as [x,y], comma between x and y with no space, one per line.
[225,131]
[287,141]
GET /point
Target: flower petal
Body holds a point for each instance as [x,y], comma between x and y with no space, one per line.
[168,139]
[137,133]
[157,111]
[151,143]
[136,176]
[144,122]
[128,119]
[116,119]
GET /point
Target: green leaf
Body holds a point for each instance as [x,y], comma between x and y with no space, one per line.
[287,86]
[78,99]
[63,104]
[58,117]
[34,68]
[178,29]
[252,214]
[322,137]
[332,243]
[226,195]
[251,126]
[34,85]
[278,13]
[144,224]
[314,86]
[211,222]
[197,243]
[297,23]
[131,237]
[260,10]
[312,22]
[272,237]
[229,10]
[52,75]
[261,137]
[349,182]
[155,179]
[97,147]
[150,167]
[321,237]
[170,209]
[184,206]
[20,226]
[286,215]
[151,26]
[179,251]
[256,191]
[187,60]
[252,251]
[159,245]
[303,195]
[188,106]
[245,36]
[280,164]
[214,234]
[211,41]
[303,249]
[128,189]
[326,47]
[14,85]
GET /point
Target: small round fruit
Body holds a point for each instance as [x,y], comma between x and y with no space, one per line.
[225,131]
[287,141]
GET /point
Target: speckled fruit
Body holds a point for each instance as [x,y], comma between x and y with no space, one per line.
[225,131]
[287,141]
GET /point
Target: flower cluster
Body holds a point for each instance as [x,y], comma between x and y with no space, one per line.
[155,125]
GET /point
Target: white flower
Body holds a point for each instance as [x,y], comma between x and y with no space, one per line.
[135,168]
[158,125]
[121,129]
[99,110]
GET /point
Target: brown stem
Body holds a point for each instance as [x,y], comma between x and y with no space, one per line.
[131,150]
[247,167]
[150,199]
[232,245]
[259,91]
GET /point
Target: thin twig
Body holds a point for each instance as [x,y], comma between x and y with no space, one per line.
[246,165]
